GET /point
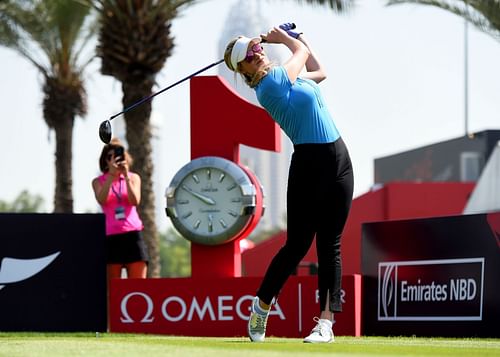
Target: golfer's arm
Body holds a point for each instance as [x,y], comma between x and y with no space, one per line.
[314,69]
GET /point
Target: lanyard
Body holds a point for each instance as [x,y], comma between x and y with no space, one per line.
[119,193]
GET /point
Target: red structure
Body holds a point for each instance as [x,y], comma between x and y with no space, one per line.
[220,122]
[399,200]
[220,306]
[393,201]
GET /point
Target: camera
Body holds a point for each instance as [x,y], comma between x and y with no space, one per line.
[119,153]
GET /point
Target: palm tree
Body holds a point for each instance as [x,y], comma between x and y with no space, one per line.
[49,35]
[134,42]
[484,14]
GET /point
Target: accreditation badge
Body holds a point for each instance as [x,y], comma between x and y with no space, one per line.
[120,213]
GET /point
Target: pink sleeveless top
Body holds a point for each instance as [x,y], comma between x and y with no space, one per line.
[117,198]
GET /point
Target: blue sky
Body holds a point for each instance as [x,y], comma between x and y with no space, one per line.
[396,82]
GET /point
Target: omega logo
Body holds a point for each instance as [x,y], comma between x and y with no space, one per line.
[209,188]
[147,317]
[223,310]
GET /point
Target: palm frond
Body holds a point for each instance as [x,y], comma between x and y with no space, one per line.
[339,6]
[483,14]
[46,32]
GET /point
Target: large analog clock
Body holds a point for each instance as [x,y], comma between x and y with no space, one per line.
[212,200]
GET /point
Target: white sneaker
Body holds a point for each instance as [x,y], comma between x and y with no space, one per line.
[257,323]
[321,333]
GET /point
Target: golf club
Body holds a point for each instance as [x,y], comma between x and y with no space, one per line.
[105,132]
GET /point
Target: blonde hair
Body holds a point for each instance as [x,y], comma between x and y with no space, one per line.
[251,81]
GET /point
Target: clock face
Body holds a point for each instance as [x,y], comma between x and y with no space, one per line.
[211,200]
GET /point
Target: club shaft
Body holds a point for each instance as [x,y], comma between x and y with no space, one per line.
[165,89]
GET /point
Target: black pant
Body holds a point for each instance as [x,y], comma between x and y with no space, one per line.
[319,196]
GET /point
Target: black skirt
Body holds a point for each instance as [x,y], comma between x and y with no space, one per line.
[126,248]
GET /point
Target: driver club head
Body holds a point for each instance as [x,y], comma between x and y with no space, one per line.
[105,132]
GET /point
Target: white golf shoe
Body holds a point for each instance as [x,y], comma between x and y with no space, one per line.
[257,322]
[321,333]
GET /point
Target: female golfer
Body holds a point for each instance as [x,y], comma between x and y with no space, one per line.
[320,180]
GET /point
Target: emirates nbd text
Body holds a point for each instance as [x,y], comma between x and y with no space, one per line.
[460,289]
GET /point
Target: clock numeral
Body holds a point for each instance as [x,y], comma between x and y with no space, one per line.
[210,223]
[232,187]
[196,224]
[236,199]
[209,174]
[196,178]
[232,213]
[183,202]
[222,223]
[187,215]
[222,177]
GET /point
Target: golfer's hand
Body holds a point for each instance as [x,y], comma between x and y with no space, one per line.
[275,35]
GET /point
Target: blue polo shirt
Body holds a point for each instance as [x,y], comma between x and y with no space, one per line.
[298,108]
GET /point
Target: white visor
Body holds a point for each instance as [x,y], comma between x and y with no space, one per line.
[240,49]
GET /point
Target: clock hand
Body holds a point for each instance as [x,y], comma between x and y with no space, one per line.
[201,197]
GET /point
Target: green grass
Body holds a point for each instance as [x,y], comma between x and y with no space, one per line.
[112,344]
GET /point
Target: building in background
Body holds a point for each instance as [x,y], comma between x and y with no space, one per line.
[486,195]
[460,160]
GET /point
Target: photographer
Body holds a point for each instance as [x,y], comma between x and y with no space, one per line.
[118,191]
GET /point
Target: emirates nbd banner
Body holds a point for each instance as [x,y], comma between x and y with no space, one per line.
[432,277]
[52,272]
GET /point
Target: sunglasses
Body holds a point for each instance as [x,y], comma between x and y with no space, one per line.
[257,48]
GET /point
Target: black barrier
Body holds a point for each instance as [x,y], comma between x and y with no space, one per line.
[432,277]
[52,272]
